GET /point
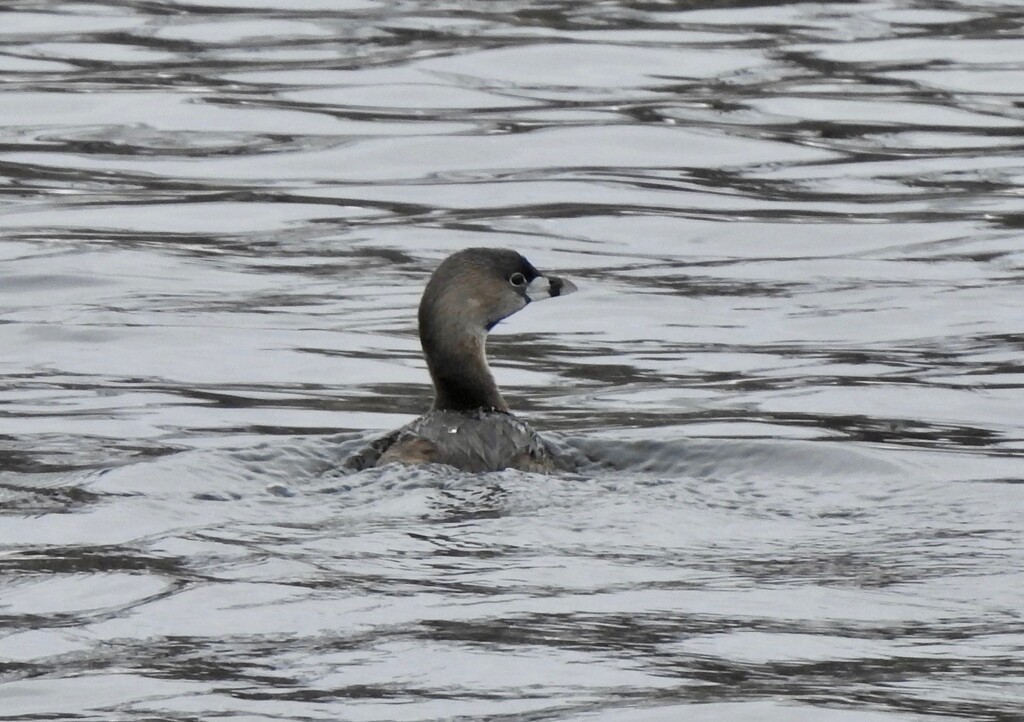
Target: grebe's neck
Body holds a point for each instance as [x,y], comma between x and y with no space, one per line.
[454,344]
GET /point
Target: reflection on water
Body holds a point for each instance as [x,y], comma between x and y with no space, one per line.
[794,364]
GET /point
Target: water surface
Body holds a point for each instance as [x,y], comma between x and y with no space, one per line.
[794,362]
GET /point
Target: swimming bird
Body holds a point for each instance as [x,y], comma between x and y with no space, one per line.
[470,426]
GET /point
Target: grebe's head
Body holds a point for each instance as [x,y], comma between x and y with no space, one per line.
[478,287]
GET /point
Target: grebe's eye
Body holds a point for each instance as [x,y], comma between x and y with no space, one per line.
[517,279]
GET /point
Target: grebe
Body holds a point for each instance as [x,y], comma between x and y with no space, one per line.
[470,426]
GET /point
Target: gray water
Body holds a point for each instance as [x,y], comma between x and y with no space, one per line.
[795,361]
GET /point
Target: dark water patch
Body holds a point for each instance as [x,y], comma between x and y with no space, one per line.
[98,559]
[22,499]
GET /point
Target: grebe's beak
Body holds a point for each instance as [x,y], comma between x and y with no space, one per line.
[548,287]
